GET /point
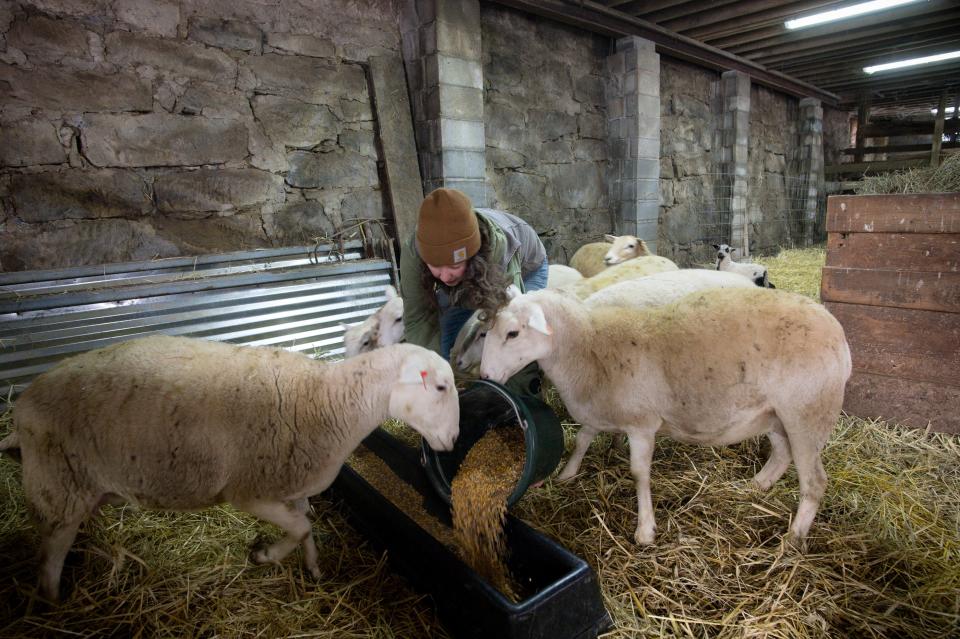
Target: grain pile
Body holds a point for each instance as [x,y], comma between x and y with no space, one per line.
[479,493]
[378,474]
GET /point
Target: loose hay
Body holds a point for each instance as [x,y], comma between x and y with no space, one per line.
[884,556]
[940,179]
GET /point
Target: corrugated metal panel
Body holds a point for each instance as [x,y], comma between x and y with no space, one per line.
[295,298]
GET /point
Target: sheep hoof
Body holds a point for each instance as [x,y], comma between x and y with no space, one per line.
[645,537]
[260,552]
[793,541]
[314,571]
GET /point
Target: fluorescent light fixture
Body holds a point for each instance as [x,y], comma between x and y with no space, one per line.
[844,13]
[945,111]
[940,57]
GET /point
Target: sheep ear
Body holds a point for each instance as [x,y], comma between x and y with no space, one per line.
[716,246]
[390,292]
[414,371]
[513,292]
[538,321]
[610,238]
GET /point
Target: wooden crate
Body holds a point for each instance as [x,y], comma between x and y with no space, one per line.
[892,278]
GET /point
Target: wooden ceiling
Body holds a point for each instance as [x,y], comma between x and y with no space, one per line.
[830,57]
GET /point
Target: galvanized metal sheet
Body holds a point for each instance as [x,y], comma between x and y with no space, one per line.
[286,298]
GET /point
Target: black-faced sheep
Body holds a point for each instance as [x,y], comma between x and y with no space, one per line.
[756,273]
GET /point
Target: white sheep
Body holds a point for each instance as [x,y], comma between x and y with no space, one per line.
[757,273]
[383,328]
[592,258]
[559,275]
[624,247]
[180,424]
[466,350]
[714,368]
[631,269]
[663,288]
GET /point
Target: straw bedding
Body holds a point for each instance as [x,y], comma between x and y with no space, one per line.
[884,556]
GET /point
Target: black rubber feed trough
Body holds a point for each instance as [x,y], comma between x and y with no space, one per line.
[564,603]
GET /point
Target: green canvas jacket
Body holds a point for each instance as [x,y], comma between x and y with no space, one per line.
[515,246]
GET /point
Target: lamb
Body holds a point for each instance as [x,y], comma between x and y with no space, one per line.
[383,328]
[714,368]
[631,269]
[663,288]
[757,273]
[560,275]
[183,423]
[591,258]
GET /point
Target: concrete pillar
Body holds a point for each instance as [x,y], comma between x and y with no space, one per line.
[442,54]
[734,147]
[811,163]
[632,92]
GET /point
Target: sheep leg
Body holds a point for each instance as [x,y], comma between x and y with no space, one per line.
[293,520]
[57,535]
[779,459]
[641,458]
[805,448]
[584,436]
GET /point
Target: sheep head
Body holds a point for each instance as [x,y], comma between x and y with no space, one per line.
[625,247]
[520,334]
[390,319]
[424,396]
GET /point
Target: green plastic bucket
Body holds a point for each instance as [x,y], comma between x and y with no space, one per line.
[485,405]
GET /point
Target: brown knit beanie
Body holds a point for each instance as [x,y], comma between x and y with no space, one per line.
[447,229]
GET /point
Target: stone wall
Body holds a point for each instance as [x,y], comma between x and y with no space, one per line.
[836,135]
[689,186]
[546,127]
[133,129]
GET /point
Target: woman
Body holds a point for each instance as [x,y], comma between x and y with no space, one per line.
[460,260]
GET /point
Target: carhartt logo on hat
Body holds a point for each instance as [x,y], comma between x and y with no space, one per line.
[447,228]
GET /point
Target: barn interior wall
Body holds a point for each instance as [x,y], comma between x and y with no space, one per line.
[140,129]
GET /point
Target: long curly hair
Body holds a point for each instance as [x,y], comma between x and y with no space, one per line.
[483,286]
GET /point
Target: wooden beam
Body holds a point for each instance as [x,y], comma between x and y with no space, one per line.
[597,18]
[733,19]
[938,130]
[883,130]
[845,37]
[678,11]
[863,116]
[901,18]
[859,56]
[896,148]
[880,167]
[716,24]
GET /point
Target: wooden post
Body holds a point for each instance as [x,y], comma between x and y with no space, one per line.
[863,115]
[938,130]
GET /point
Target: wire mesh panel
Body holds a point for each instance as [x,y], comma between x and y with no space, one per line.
[778,211]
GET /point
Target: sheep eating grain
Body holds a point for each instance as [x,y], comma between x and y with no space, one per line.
[592,258]
[714,368]
[756,273]
[383,328]
[180,424]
